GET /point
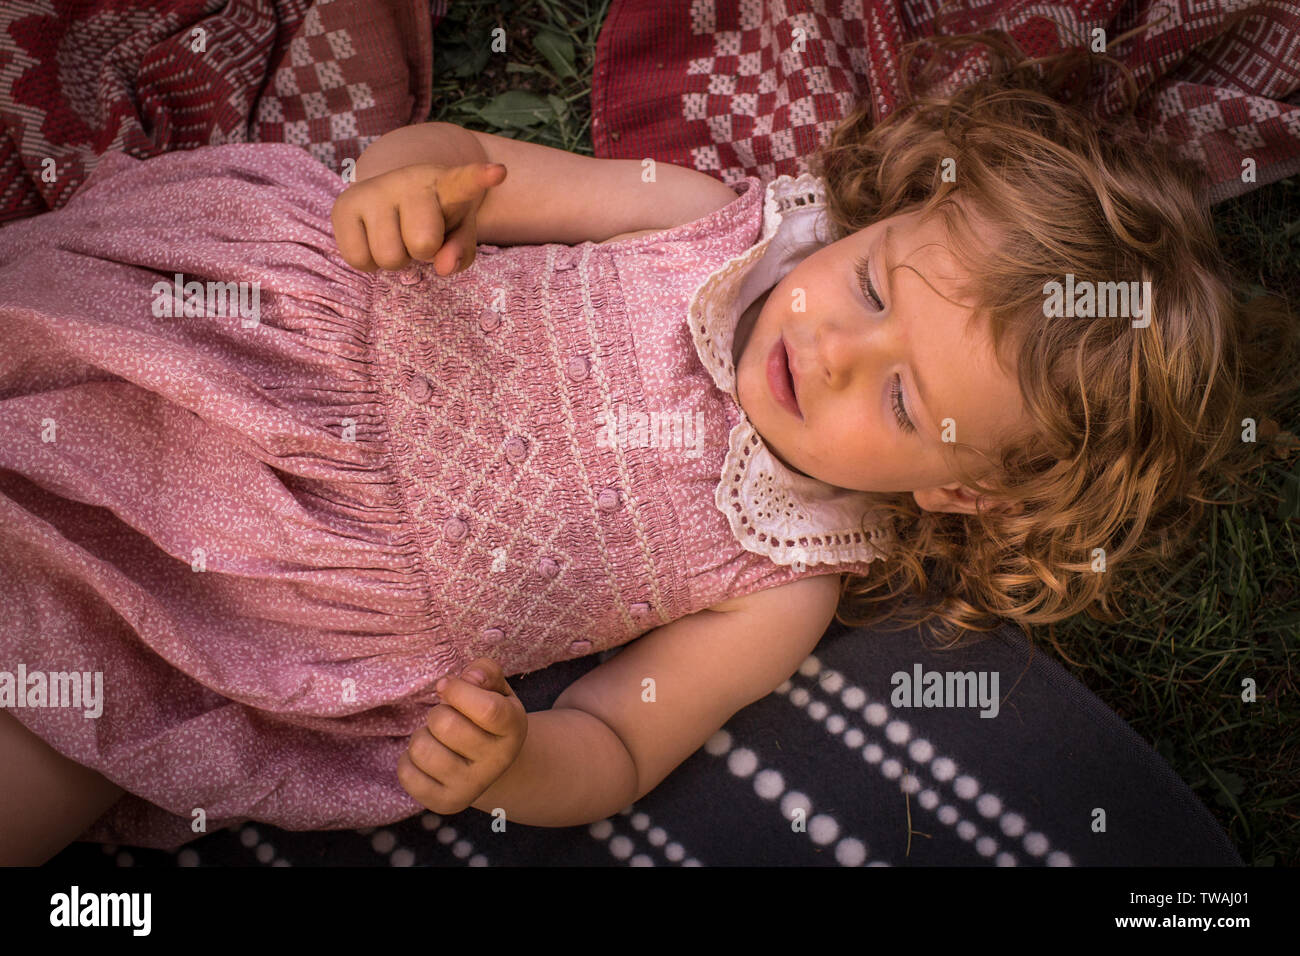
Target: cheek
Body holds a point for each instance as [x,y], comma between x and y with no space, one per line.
[855,445]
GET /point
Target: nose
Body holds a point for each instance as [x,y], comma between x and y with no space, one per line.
[849,350]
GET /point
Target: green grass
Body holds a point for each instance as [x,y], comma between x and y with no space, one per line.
[538,89]
[1174,670]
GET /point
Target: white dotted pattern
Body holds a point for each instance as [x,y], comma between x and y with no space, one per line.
[922,753]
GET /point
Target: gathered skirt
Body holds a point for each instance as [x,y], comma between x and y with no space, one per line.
[197,508]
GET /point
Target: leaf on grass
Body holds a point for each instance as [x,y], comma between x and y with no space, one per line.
[558,50]
[517,108]
[460,60]
[1233,784]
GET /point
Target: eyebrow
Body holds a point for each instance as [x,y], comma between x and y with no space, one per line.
[887,259]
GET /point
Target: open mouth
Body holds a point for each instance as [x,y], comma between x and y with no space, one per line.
[780,379]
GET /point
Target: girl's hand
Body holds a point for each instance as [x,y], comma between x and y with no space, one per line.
[468,741]
[422,211]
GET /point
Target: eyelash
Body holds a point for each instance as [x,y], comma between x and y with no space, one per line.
[864,278]
[896,388]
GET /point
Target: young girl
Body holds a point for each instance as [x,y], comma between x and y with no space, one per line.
[279,453]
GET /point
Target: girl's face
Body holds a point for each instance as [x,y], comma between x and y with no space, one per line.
[856,390]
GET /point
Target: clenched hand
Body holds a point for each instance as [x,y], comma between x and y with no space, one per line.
[423,211]
[467,742]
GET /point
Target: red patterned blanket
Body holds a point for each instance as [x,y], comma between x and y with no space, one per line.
[80,77]
[713,84]
[750,87]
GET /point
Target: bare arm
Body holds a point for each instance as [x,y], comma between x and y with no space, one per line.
[551,195]
[572,770]
[604,745]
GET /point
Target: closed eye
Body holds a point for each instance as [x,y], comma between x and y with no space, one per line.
[863,269]
[900,410]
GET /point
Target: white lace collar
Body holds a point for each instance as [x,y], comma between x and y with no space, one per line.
[774,511]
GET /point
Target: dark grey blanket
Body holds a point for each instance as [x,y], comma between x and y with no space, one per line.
[838,767]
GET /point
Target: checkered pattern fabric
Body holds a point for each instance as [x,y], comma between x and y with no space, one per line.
[744,87]
[323,99]
[77,80]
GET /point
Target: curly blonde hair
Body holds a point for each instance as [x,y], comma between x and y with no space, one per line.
[1131,427]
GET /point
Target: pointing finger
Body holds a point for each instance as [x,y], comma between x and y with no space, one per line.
[467,184]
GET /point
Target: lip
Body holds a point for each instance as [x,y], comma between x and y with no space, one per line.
[781,380]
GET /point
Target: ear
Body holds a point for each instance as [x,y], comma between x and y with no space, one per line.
[959,499]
